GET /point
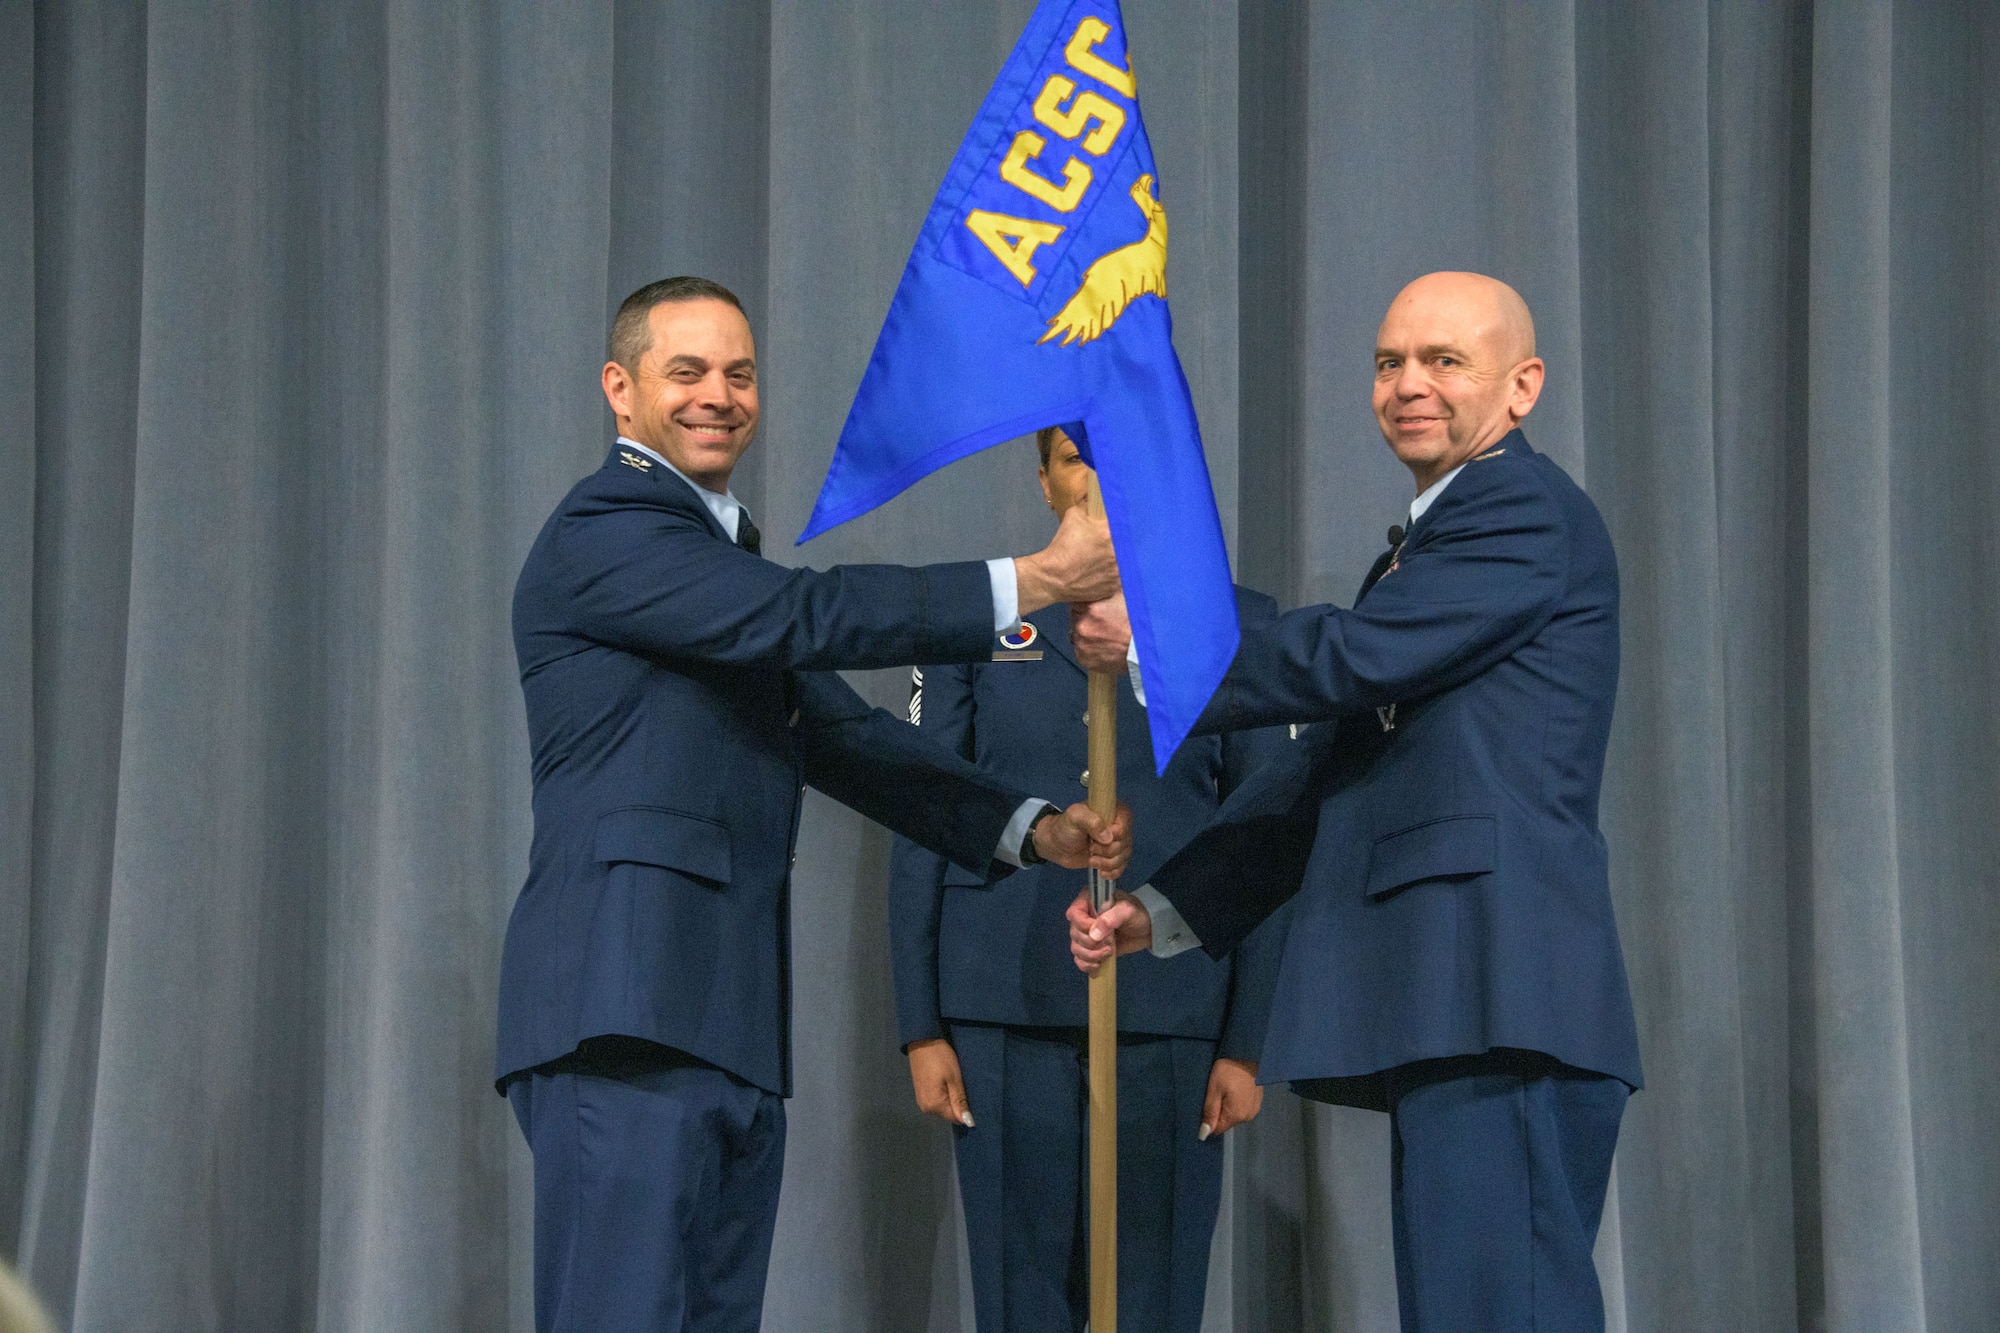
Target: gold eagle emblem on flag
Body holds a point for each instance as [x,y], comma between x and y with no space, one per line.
[1119,277]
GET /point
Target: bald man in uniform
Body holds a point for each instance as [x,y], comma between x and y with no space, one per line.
[1452,958]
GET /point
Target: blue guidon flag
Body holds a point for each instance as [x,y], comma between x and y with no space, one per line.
[1037,296]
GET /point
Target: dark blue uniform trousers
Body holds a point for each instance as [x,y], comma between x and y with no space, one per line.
[656,1192]
[1499,1166]
[1023,1174]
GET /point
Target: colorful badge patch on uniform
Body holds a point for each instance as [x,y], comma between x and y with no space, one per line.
[1023,637]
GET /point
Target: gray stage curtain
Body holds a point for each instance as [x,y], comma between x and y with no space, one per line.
[300,317]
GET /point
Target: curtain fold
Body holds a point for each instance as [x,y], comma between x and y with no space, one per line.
[1874,1268]
[301,313]
[17,575]
[82,184]
[1650,296]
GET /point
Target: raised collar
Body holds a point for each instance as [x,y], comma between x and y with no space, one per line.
[725,508]
[1512,442]
[1432,492]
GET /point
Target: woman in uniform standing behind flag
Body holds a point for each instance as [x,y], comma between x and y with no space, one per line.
[991,1009]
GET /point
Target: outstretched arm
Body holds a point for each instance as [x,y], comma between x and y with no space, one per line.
[1238,871]
[1483,577]
[649,576]
[877,764]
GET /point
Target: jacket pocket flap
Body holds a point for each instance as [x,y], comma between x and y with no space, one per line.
[1455,845]
[654,836]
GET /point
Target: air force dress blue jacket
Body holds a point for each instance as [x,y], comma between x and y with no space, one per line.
[999,952]
[680,698]
[1439,821]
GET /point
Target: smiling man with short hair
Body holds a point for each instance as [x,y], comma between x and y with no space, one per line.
[682,692]
[695,400]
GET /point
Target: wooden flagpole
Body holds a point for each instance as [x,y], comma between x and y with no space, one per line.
[1103,718]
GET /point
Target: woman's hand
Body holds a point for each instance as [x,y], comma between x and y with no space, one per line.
[939,1085]
[1233,1097]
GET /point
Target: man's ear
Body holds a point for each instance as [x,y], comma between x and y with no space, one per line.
[618,389]
[1526,387]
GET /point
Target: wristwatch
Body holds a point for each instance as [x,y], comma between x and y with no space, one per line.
[1029,856]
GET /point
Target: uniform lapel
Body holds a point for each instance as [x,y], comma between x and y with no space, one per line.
[1513,442]
[1375,573]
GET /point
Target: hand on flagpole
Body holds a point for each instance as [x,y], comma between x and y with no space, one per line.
[1126,923]
[1076,565]
[1078,840]
[1101,633]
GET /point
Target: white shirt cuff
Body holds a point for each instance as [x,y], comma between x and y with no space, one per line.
[1016,832]
[1138,685]
[1006,595]
[1170,934]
